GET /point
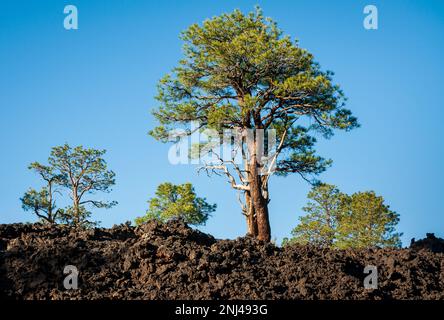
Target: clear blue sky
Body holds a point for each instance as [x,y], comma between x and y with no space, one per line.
[95,86]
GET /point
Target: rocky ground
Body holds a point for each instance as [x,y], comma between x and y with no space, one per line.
[173,261]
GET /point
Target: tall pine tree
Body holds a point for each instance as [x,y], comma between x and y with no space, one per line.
[240,72]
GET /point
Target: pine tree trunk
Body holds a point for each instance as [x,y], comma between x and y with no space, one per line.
[76,208]
[263,223]
[259,203]
[50,218]
[251,217]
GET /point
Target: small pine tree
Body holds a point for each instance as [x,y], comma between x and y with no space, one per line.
[368,222]
[177,201]
[81,172]
[84,173]
[335,219]
[320,225]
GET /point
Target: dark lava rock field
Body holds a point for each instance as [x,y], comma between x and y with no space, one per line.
[173,261]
